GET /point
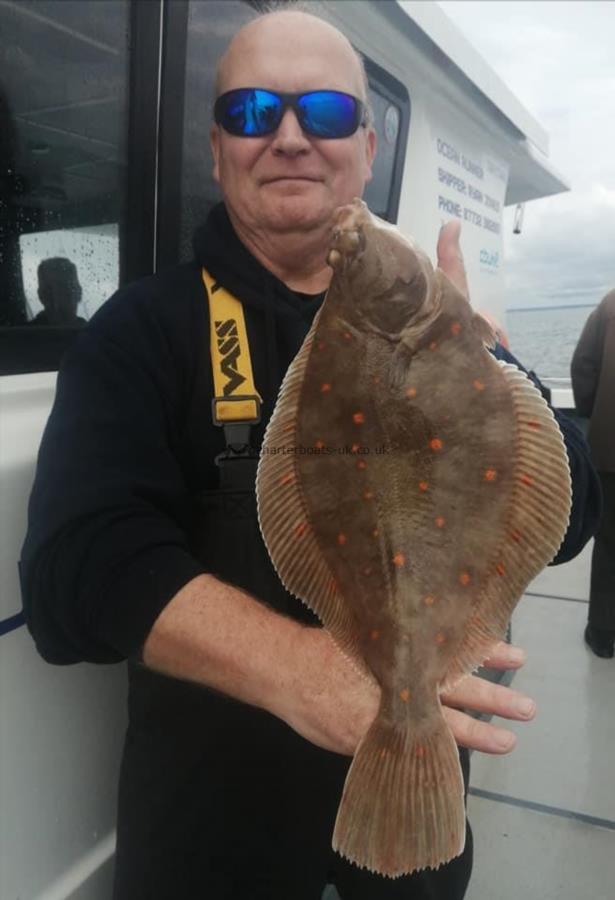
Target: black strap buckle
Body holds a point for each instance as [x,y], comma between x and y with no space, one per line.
[236,434]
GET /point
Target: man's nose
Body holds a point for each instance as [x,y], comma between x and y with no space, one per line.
[289,137]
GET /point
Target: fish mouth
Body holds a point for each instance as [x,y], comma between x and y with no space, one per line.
[348,233]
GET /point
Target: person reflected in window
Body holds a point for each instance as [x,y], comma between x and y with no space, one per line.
[593,384]
[60,293]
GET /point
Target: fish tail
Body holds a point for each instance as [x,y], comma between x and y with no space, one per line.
[403,803]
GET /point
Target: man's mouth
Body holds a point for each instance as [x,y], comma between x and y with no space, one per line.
[282,178]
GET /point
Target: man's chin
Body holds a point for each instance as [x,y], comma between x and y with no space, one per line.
[297,213]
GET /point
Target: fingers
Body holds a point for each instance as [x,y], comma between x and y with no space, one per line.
[505,656]
[450,259]
[477,735]
[482,696]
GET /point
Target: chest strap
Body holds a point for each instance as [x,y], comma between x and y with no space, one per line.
[236,404]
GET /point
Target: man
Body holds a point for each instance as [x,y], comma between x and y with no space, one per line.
[154,554]
[593,384]
[60,293]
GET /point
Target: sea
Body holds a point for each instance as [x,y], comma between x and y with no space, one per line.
[543,339]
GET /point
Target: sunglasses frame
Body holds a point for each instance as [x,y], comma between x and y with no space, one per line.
[290,101]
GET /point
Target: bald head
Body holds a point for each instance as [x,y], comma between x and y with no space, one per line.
[286,38]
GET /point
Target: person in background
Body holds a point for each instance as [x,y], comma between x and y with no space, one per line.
[60,293]
[593,384]
[143,540]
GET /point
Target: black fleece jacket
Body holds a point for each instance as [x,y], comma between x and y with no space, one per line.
[130,441]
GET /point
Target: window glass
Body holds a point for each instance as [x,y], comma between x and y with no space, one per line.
[210,27]
[387,123]
[63,110]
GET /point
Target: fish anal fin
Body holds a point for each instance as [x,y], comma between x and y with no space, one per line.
[537,519]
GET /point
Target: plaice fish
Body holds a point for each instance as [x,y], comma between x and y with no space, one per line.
[409,488]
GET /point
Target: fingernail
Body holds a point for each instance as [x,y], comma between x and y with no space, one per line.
[505,740]
[526,708]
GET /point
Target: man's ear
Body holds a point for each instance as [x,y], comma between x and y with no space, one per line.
[370,151]
[214,143]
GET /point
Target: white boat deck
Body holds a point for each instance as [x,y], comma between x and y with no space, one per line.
[543,817]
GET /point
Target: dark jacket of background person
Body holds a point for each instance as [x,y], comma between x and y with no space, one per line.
[593,381]
[130,441]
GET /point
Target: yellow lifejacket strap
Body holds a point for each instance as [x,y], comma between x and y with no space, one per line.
[236,398]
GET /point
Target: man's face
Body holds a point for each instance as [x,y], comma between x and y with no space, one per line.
[289,180]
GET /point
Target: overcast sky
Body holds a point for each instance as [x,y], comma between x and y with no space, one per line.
[558,58]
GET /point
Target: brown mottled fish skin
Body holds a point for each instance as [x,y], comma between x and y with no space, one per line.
[430,486]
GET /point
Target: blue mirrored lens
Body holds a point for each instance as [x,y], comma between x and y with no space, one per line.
[328,114]
[252,112]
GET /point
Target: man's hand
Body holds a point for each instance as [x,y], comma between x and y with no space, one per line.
[479,695]
[335,705]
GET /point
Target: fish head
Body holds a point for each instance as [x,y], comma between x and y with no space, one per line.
[388,280]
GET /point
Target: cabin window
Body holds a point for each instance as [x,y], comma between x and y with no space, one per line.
[63,122]
[391,118]
[196,38]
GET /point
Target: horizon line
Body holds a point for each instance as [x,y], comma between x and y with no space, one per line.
[551,306]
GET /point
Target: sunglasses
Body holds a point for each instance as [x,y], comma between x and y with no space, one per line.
[254,112]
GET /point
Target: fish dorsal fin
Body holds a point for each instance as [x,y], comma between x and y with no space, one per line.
[283,517]
[539,513]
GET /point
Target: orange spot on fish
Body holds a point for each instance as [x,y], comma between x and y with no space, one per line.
[358,418]
[419,751]
[478,385]
[374,635]
[399,560]
[429,600]
[411,392]
[515,535]
[433,345]
[383,753]
[490,474]
[341,538]
[464,578]
[526,479]
[455,328]
[300,529]
[347,336]
[325,388]
[320,345]
[355,448]
[436,444]
[375,532]
[319,445]
[361,464]
[440,638]
[423,485]
[439,520]
[404,695]
[287,479]
[376,379]
[533,424]
[500,569]
[368,495]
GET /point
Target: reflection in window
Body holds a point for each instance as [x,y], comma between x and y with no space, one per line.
[63,108]
[94,254]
